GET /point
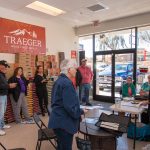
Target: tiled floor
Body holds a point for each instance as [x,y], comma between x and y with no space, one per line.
[26,136]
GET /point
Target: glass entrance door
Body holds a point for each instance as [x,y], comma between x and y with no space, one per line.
[123,69]
[111,72]
[103,75]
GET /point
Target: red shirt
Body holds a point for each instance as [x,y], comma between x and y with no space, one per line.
[87,74]
[74,82]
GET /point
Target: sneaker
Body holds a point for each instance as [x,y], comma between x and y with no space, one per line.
[30,122]
[88,104]
[2,132]
[6,126]
[23,122]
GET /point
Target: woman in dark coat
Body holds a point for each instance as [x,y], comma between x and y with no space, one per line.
[18,96]
[41,89]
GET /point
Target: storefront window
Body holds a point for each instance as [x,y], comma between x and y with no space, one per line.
[124,39]
[119,40]
[143,55]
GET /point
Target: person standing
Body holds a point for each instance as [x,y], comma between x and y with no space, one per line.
[18,96]
[66,112]
[78,83]
[4,86]
[87,77]
[41,89]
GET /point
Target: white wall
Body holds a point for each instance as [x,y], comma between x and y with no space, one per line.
[60,37]
[121,23]
[9,58]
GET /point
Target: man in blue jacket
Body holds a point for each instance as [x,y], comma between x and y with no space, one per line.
[66,112]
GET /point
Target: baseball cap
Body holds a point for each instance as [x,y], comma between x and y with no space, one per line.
[83,60]
[4,63]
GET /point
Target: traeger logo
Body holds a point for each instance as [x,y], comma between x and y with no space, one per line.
[16,39]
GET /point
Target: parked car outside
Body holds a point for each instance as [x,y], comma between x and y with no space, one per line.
[101,66]
[122,71]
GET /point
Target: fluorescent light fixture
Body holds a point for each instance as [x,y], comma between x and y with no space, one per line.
[47,9]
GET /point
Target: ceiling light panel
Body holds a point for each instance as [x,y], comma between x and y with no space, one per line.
[47,9]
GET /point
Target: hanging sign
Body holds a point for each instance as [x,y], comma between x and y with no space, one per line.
[73,54]
[18,37]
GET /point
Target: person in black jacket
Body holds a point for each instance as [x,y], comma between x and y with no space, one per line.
[78,83]
[41,89]
[18,96]
[3,94]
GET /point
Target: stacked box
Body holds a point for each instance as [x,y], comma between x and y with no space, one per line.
[49,90]
[30,100]
[41,57]
[53,58]
[35,99]
[40,63]
[54,71]
[27,62]
[54,64]
[9,116]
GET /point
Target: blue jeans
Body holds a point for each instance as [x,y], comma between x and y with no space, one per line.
[78,90]
[3,105]
[64,139]
[85,88]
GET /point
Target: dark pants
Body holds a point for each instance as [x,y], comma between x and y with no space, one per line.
[64,139]
[43,98]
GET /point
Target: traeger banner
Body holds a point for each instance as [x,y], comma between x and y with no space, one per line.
[18,37]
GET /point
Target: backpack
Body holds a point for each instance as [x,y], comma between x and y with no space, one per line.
[142,132]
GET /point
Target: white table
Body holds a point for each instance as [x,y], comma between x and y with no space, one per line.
[128,109]
[132,110]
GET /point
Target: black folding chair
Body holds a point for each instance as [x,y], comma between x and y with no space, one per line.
[44,133]
[4,148]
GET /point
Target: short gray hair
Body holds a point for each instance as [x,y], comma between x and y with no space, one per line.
[66,64]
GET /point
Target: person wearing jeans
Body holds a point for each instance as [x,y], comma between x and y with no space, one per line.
[3,95]
[78,83]
[3,105]
[85,93]
[87,77]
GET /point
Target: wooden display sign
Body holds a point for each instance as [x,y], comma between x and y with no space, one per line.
[18,37]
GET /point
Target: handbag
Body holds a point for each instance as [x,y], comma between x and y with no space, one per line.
[142,133]
[83,144]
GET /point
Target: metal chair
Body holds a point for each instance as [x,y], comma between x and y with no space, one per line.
[11,149]
[44,133]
